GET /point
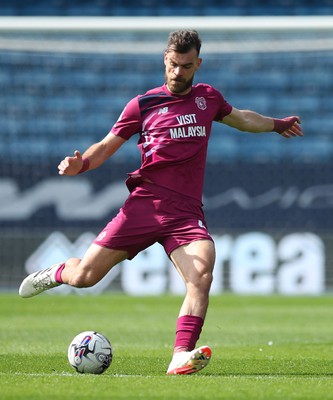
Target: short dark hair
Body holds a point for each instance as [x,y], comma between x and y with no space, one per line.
[182,41]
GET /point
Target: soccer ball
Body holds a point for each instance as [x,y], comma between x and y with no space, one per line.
[90,353]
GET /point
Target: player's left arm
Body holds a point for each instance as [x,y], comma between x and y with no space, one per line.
[251,121]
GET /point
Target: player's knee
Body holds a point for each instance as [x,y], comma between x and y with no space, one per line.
[207,279]
[204,280]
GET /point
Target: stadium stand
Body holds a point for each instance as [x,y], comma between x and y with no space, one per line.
[65,95]
[59,93]
[165,7]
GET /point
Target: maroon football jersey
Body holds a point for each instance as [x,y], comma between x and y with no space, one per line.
[173,135]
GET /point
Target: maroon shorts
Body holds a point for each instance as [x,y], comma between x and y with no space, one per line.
[152,214]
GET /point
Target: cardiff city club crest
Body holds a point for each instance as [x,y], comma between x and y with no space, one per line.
[201,103]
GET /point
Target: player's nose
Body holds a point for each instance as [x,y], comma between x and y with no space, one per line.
[178,71]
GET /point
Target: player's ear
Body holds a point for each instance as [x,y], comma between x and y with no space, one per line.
[199,63]
[165,57]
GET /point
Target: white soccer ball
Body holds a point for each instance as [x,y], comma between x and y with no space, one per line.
[90,353]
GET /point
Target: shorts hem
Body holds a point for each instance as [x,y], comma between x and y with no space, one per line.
[130,257]
[177,245]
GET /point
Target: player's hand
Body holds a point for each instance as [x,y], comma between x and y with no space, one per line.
[288,127]
[71,165]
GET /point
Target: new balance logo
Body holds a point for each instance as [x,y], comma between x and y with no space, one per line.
[163,110]
[201,224]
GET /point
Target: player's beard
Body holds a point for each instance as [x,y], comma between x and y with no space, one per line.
[178,85]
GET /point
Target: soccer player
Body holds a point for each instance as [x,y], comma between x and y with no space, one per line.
[173,123]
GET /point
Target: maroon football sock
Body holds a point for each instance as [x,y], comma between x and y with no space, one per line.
[58,273]
[188,332]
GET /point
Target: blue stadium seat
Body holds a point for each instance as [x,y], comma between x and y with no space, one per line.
[165,7]
[58,97]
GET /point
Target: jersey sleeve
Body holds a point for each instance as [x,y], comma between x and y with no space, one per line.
[224,107]
[129,121]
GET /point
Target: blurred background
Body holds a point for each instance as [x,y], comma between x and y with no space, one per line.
[268,201]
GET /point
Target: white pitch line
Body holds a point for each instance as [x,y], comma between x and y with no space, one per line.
[73,374]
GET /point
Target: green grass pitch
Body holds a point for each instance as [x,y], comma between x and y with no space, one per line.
[263,348]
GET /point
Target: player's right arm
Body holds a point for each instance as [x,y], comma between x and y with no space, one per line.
[127,125]
[91,158]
